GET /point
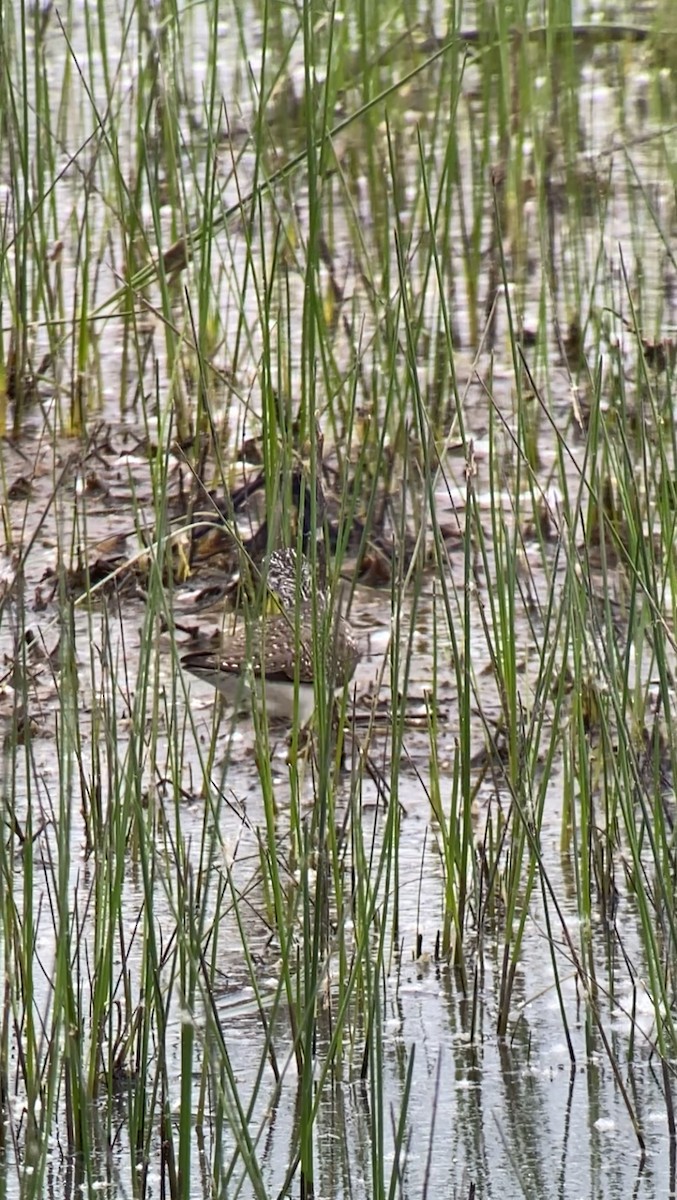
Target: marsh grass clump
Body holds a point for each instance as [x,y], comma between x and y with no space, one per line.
[395,295]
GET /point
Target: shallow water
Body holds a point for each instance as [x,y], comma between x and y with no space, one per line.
[511,1117]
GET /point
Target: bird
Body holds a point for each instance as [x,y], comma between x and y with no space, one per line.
[272,662]
[214,537]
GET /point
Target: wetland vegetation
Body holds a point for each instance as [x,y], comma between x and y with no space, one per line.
[410,268]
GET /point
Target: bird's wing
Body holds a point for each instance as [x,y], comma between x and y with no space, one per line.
[264,649]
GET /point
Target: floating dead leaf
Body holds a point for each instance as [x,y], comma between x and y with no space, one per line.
[572,345]
[94,485]
[374,569]
[20,489]
[661,354]
[176,258]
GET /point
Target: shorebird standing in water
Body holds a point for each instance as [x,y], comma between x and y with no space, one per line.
[272,662]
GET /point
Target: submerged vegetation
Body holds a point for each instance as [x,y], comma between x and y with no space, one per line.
[409,270]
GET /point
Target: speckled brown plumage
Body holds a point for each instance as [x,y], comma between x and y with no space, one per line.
[268,657]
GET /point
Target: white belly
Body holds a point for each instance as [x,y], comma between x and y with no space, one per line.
[277,699]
